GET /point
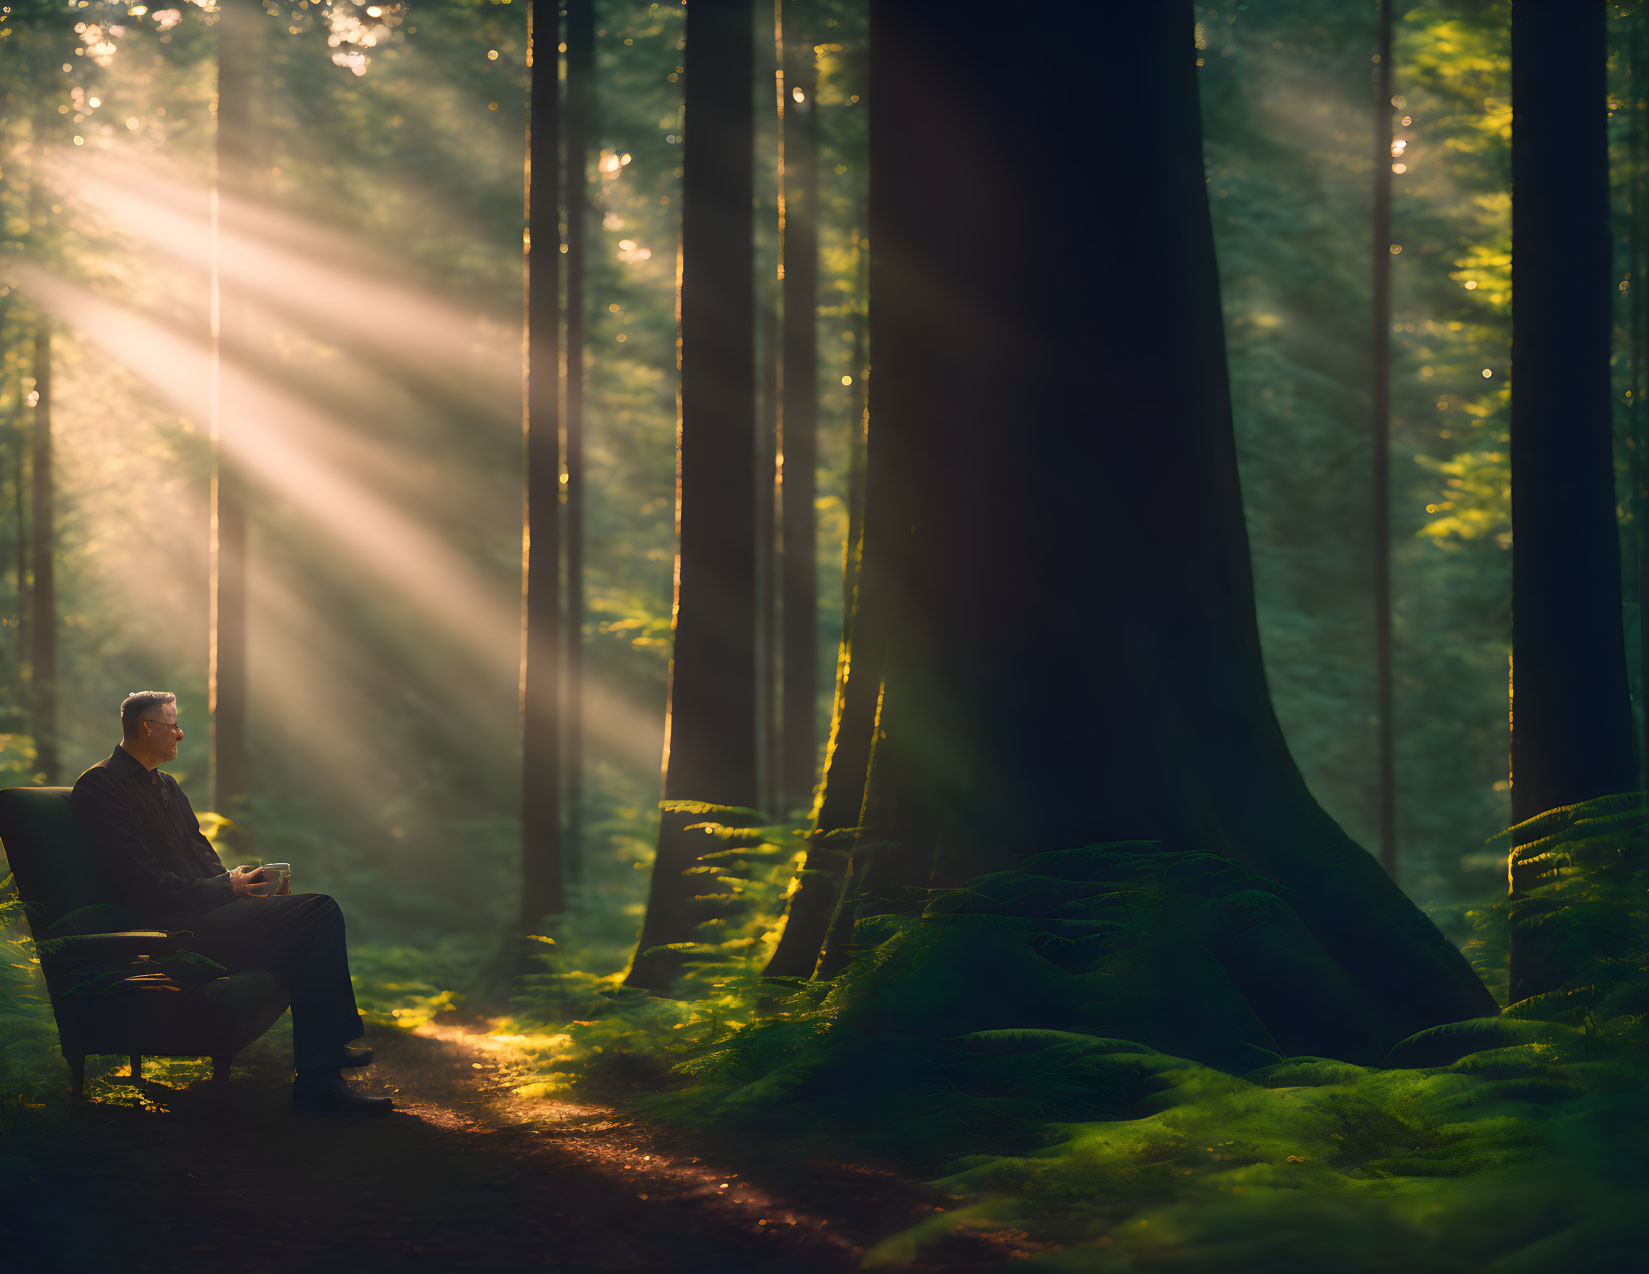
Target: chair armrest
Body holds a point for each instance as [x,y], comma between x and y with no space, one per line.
[110,946]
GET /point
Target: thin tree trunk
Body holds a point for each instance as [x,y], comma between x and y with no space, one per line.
[798,427]
[767,549]
[1381,399]
[239,173]
[541,867]
[818,891]
[1571,720]
[1638,300]
[1054,531]
[10,431]
[579,130]
[43,629]
[710,741]
[770,276]
[859,426]
[20,450]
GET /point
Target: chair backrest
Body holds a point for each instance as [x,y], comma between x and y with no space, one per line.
[48,858]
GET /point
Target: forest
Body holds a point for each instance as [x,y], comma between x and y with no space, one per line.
[1140,766]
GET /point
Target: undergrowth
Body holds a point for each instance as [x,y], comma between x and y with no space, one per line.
[1027,1058]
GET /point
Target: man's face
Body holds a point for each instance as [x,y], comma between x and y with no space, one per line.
[160,724]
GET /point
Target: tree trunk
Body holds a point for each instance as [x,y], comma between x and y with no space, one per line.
[860,425]
[710,739]
[1380,396]
[1054,533]
[239,180]
[20,564]
[579,129]
[1571,719]
[799,415]
[769,284]
[818,891]
[12,432]
[1638,302]
[43,594]
[767,548]
[541,869]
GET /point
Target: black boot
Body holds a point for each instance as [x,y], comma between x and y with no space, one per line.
[323,1092]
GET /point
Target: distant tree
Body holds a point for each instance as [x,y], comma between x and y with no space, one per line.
[241,53]
[710,740]
[542,884]
[769,147]
[1571,715]
[579,129]
[799,414]
[43,585]
[1637,434]
[1380,251]
[11,401]
[20,556]
[42,591]
[1054,540]
[813,903]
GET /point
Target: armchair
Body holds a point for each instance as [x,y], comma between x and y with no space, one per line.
[107,994]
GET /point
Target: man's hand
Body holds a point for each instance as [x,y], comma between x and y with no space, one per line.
[246,881]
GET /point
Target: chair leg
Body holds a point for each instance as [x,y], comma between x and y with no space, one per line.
[220,1071]
[77,1077]
[137,1068]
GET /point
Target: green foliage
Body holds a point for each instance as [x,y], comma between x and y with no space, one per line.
[990,1035]
[1287,129]
[570,1022]
[406,986]
[30,1066]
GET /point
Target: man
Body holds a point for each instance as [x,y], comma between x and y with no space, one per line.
[146,843]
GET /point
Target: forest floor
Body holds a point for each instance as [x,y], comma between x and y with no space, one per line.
[464,1174]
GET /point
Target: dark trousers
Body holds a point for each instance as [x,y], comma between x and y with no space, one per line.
[300,937]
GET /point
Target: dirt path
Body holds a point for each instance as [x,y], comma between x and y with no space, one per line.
[463,1175]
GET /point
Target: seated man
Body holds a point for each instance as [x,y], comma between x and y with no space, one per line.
[145,841]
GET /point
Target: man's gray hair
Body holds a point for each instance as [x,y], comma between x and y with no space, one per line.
[138,705]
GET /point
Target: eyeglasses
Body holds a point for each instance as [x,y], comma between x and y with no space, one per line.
[170,725]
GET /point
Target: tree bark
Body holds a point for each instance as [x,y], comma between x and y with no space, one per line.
[817,896]
[43,593]
[769,285]
[1638,430]
[542,889]
[1571,719]
[20,564]
[579,129]
[1380,396]
[710,739]
[1054,532]
[799,415]
[239,180]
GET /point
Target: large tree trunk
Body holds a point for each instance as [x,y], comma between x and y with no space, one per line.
[579,130]
[43,592]
[799,416]
[1571,719]
[542,890]
[1054,532]
[710,740]
[239,178]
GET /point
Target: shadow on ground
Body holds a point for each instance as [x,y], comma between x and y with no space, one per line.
[164,1177]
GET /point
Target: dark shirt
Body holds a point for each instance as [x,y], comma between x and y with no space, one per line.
[145,840]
